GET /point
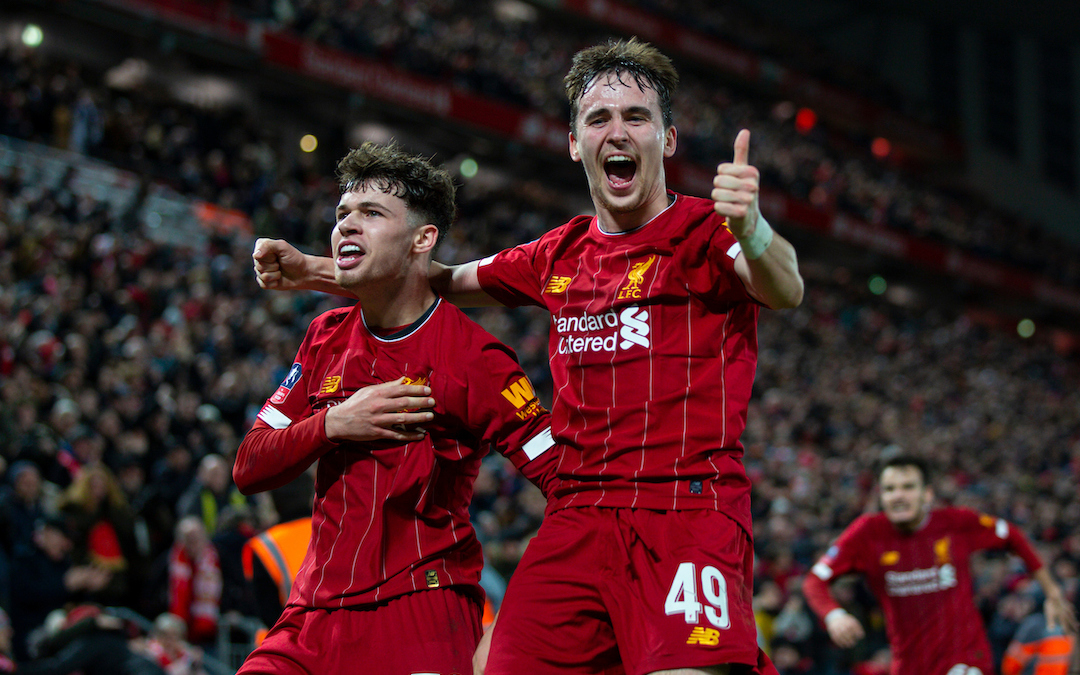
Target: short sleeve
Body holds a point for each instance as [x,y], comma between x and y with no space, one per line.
[513,276]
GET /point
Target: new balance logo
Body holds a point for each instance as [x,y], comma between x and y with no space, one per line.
[330,384]
[707,637]
[557,284]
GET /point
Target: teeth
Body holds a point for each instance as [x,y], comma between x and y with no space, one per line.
[619,158]
[349,249]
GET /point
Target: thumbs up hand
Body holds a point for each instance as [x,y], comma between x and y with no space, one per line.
[735,190]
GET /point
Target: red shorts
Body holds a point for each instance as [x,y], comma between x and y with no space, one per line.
[431,631]
[604,590]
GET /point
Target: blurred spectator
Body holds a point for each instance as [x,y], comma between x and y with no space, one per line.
[195,580]
[47,580]
[172,474]
[167,645]
[21,505]
[1037,648]
[102,529]
[92,643]
[237,525]
[210,492]
[272,558]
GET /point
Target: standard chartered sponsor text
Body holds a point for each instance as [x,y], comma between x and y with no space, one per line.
[578,333]
[918,582]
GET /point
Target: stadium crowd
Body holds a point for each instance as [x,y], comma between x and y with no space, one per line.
[492,51]
[130,368]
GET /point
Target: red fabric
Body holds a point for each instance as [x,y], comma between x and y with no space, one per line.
[923,583]
[653,348]
[646,589]
[195,591]
[430,632]
[392,518]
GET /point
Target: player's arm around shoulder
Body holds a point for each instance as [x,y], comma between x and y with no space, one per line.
[767,265]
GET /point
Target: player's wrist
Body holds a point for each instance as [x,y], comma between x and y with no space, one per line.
[753,247]
[834,614]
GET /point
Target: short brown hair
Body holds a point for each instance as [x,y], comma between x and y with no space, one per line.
[428,191]
[640,60]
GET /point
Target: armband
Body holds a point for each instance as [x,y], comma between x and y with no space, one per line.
[835,612]
[754,245]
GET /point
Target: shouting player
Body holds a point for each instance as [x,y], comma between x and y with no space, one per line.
[398,398]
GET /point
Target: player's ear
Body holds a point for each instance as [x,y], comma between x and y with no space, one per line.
[424,238]
[671,140]
[574,154]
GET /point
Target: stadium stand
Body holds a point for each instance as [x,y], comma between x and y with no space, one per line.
[133,336]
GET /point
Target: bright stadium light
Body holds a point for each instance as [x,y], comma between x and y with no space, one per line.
[468,167]
[308,143]
[1026,328]
[32,35]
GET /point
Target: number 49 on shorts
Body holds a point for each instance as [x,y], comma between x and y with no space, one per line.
[683,596]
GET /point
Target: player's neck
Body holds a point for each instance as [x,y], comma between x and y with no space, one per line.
[398,305]
[913,526]
[614,221]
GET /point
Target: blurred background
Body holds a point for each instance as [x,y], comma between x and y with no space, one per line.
[924,158]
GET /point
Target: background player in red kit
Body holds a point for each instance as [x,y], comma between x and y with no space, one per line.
[398,398]
[916,561]
[644,561]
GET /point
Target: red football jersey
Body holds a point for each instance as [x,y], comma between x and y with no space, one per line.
[653,346]
[923,583]
[391,518]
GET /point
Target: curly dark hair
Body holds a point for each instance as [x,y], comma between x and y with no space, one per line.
[428,191]
[649,68]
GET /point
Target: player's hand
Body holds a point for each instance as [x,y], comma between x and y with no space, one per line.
[735,189]
[1060,612]
[389,411]
[844,629]
[279,265]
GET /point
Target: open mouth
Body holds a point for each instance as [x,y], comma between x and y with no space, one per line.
[349,255]
[620,170]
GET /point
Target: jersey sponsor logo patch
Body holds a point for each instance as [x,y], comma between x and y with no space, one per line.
[287,384]
[889,558]
[605,332]
[556,285]
[431,578]
[521,395]
[634,278]
[920,581]
[707,637]
[331,384]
